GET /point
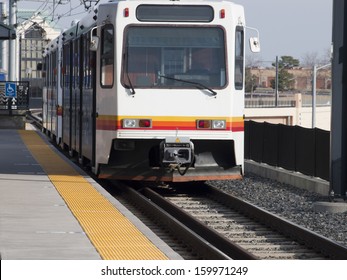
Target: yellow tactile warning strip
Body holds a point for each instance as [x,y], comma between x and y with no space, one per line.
[112,234]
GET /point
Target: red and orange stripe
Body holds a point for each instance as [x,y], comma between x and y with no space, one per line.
[108,122]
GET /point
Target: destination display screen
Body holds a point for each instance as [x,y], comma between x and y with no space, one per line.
[181,13]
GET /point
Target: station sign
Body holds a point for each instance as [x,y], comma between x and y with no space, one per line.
[10,90]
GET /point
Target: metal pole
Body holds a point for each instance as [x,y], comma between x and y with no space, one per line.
[3,46]
[276,83]
[314,91]
[12,43]
[314,85]
[338,140]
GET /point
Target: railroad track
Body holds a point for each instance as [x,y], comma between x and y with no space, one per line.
[235,229]
[179,237]
[34,117]
[209,224]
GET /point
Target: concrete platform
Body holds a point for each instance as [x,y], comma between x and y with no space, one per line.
[288,177]
[35,222]
[298,180]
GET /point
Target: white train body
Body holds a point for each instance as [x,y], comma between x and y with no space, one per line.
[152,90]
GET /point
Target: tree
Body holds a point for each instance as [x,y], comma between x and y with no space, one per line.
[253,60]
[250,81]
[309,59]
[326,57]
[287,62]
[285,79]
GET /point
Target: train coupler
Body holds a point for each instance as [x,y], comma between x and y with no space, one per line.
[177,153]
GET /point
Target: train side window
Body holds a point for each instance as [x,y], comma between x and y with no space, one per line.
[76,64]
[107,56]
[54,67]
[46,73]
[66,66]
[239,56]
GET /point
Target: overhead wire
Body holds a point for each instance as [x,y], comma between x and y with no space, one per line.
[68,14]
[53,15]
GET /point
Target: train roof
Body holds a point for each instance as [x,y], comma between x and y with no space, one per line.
[88,21]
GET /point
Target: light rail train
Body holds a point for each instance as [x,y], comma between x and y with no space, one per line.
[151,90]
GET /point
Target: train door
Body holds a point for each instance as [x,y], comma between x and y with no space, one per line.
[78,73]
[59,98]
[54,94]
[88,100]
[75,95]
[104,99]
[45,94]
[67,87]
[49,94]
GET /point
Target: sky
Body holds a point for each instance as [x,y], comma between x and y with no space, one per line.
[290,27]
[287,27]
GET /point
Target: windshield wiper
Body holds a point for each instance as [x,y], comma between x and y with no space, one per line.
[132,90]
[196,84]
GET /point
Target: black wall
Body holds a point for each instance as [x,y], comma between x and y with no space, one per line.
[291,147]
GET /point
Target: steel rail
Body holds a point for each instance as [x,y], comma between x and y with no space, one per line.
[319,243]
[37,121]
[210,235]
[205,249]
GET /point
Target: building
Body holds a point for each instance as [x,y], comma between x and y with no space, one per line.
[33,34]
[302,78]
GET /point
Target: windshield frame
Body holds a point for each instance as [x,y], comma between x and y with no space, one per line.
[128,81]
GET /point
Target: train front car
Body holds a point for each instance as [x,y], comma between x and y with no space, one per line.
[170,90]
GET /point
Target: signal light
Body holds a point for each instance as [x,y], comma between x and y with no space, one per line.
[126,12]
[136,123]
[59,110]
[222,13]
[204,124]
[145,123]
[211,124]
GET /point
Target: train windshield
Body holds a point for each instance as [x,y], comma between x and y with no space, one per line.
[174,57]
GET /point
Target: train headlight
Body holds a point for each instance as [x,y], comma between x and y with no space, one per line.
[137,123]
[129,123]
[211,124]
[218,124]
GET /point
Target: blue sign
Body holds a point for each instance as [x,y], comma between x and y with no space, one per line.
[10,90]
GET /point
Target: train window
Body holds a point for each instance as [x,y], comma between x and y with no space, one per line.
[76,64]
[66,70]
[47,70]
[86,63]
[167,56]
[107,55]
[54,67]
[239,54]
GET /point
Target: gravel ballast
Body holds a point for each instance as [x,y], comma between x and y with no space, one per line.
[289,202]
